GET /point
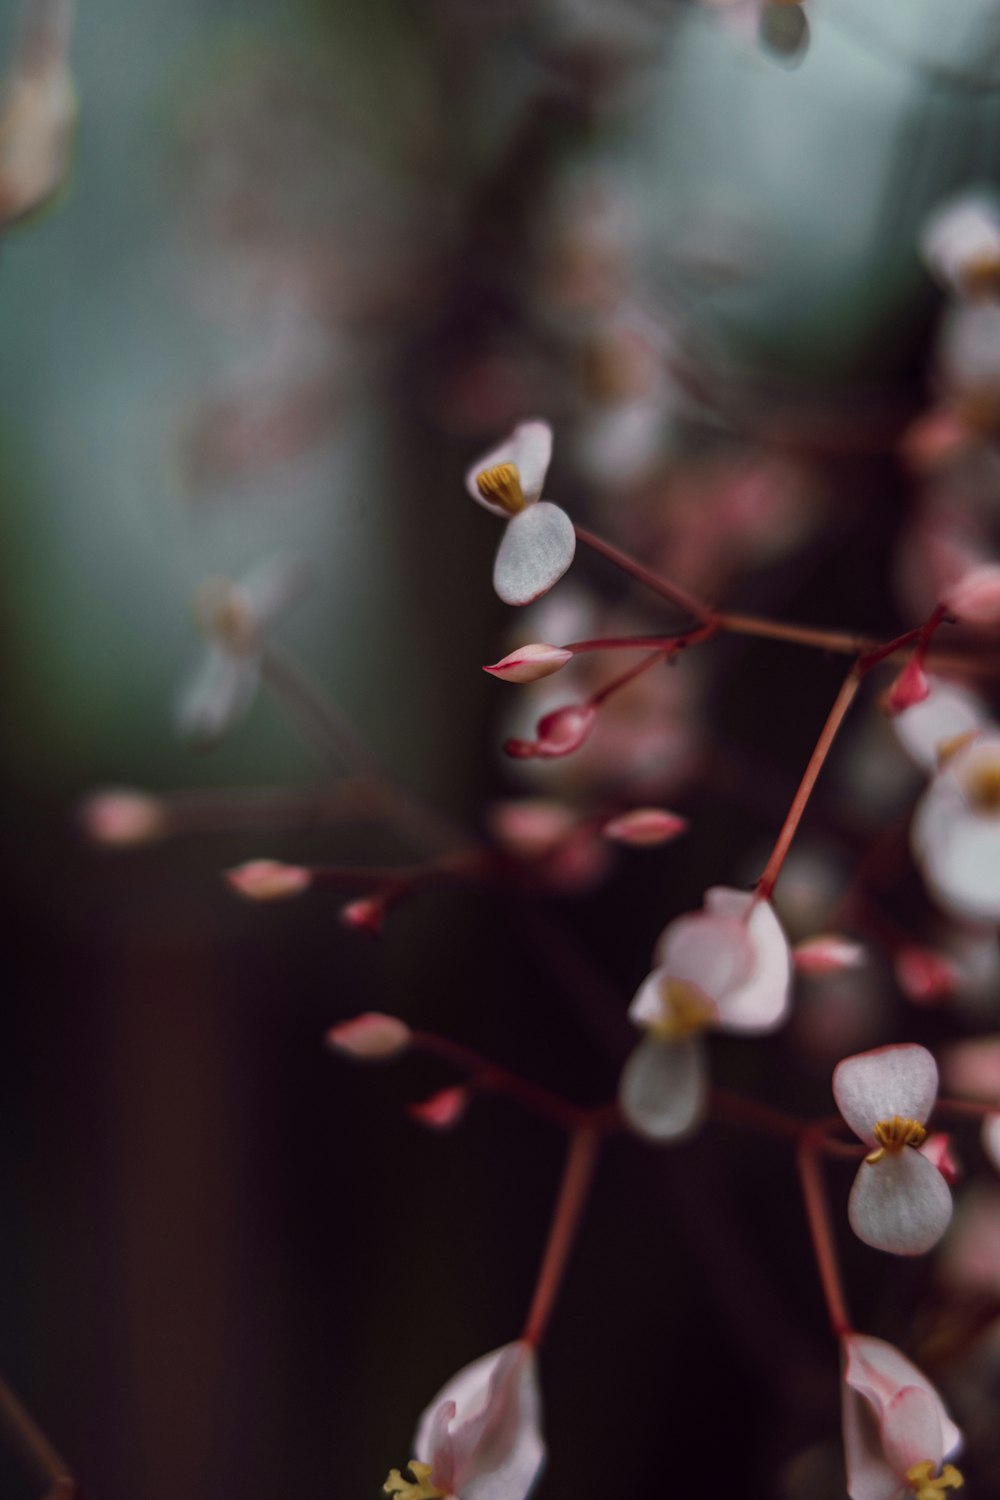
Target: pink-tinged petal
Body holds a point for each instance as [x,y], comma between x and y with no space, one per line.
[714,953]
[909,687]
[991,1139]
[872,1086]
[878,1371]
[217,697]
[267,880]
[537,547]
[443,1110]
[829,953]
[975,598]
[370,1037]
[645,827]
[900,1204]
[529,663]
[490,1446]
[948,712]
[938,1150]
[529,448]
[662,1088]
[911,1430]
[761,1002]
[869,1475]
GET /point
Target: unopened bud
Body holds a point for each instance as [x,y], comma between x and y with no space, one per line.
[829,953]
[645,827]
[937,1149]
[530,827]
[530,663]
[370,1036]
[924,976]
[975,598]
[564,730]
[442,1110]
[120,817]
[367,914]
[268,880]
[909,687]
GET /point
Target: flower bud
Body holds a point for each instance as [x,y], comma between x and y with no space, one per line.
[530,827]
[909,687]
[121,817]
[268,880]
[828,953]
[370,1036]
[925,977]
[975,597]
[529,663]
[367,914]
[937,1148]
[442,1110]
[564,730]
[645,827]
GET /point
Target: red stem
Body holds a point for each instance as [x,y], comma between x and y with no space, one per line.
[818,1216]
[976,1107]
[578,1173]
[646,576]
[39,1457]
[490,1077]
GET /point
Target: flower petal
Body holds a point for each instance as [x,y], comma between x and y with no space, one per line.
[715,953]
[537,548]
[900,1204]
[878,1371]
[488,1446]
[869,1475]
[271,588]
[761,1003]
[911,1430]
[662,1088]
[872,1086]
[529,446]
[947,712]
[217,696]
[960,858]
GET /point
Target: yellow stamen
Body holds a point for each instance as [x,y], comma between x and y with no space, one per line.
[892,1135]
[982,790]
[421,1489]
[221,610]
[925,1487]
[945,750]
[684,1011]
[501,486]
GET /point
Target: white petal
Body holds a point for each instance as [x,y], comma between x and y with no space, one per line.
[878,1371]
[761,1003]
[900,1204]
[537,548]
[529,447]
[959,852]
[947,712]
[490,1446]
[872,1086]
[274,586]
[911,1430]
[869,1476]
[715,953]
[218,695]
[991,1139]
[662,1088]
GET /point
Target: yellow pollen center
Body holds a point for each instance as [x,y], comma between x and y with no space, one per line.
[925,1487]
[501,486]
[684,1011]
[421,1488]
[983,788]
[222,612]
[892,1135]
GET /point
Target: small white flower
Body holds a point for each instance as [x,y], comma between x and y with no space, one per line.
[900,1201]
[955,833]
[539,541]
[960,244]
[897,1431]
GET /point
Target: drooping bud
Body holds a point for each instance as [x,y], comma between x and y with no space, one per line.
[370,1036]
[442,1110]
[120,817]
[975,598]
[366,914]
[925,977]
[645,827]
[909,687]
[529,663]
[268,880]
[565,729]
[829,953]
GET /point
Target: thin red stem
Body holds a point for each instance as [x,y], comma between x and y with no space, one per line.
[670,591]
[490,1077]
[578,1173]
[828,734]
[40,1458]
[818,1216]
[617,683]
[978,1108]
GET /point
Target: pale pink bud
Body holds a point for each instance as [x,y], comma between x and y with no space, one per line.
[268,880]
[909,687]
[529,663]
[924,976]
[645,827]
[442,1110]
[121,817]
[367,914]
[530,827]
[933,439]
[827,954]
[975,598]
[565,729]
[520,749]
[370,1036]
[937,1148]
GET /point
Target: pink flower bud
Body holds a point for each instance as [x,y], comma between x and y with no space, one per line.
[975,598]
[122,817]
[530,827]
[827,954]
[937,1148]
[370,1036]
[565,729]
[909,687]
[268,880]
[529,663]
[933,439]
[442,1110]
[520,749]
[645,827]
[367,914]
[925,977]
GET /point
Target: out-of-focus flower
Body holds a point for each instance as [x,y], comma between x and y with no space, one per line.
[539,542]
[370,1037]
[530,827]
[726,967]
[529,663]
[897,1431]
[37,110]
[969,356]
[955,834]
[960,244]
[948,712]
[900,1201]
[120,816]
[268,880]
[235,618]
[925,976]
[645,827]
[975,597]
[973,1068]
[443,1110]
[480,1438]
[829,953]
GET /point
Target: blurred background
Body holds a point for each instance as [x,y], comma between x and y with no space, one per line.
[311,258]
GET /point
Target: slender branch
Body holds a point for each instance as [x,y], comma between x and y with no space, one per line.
[489,1077]
[39,1457]
[818,1216]
[977,1108]
[669,591]
[578,1173]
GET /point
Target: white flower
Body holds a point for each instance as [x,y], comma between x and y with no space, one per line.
[948,712]
[897,1432]
[900,1201]
[960,244]
[480,1438]
[955,833]
[539,542]
[727,967]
